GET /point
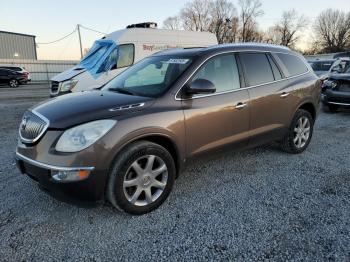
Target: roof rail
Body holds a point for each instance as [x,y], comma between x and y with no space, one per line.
[143,25]
[256,44]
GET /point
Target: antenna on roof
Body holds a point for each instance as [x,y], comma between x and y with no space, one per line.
[143,25]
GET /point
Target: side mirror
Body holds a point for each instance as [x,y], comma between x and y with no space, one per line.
[200,86]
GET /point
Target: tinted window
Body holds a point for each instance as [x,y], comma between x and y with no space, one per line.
[294,64]
[222,71]
[3,73]
[276,72]
[257,68]
[126,55]
[12,68]
[321,65]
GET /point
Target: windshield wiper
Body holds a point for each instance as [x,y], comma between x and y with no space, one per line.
[121,90]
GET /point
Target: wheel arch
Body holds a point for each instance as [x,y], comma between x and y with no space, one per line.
[161,139]
[309,106]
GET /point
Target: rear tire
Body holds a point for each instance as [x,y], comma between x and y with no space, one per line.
[13,83]
[141,178]
[299,133]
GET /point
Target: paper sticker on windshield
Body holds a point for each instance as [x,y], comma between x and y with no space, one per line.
[177,61]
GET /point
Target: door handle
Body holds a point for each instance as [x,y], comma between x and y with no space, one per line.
[284,94]
[241,105]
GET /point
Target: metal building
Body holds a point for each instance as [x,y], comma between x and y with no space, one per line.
[17,46]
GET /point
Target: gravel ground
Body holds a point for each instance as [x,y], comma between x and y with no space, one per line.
[259,204]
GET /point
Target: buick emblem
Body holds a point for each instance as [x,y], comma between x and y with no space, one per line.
[24,123]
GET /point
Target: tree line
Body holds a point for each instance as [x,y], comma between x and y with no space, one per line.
[330,30]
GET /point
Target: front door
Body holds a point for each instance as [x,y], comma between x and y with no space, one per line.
[221,118]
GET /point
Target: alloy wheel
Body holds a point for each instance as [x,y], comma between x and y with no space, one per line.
[145,180]
[301,132]
[13,83]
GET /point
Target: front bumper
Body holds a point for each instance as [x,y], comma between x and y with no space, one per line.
[334,97]
[87,191]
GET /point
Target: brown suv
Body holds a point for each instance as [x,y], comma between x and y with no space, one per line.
[128,141]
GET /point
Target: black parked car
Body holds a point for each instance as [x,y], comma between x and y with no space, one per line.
[12,78]
[336,91]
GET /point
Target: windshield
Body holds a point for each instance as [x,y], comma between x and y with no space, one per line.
[106,55]
[340,66]
[151,77]
[97,51]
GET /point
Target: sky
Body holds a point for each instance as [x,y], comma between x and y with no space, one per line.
[51,20]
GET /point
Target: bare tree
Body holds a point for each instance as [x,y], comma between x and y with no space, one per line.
[332,29]
[195,15]
[286,30]
[249,11]
[223,20]
[220,17]
[172,23]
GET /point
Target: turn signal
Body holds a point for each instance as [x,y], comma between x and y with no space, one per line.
[70,176]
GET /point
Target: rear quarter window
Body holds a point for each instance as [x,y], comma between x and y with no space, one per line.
[294,64]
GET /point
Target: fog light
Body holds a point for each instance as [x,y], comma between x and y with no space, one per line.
[69,176]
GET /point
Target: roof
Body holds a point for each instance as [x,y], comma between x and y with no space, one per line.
[180,51]
[12,33]
[162,36]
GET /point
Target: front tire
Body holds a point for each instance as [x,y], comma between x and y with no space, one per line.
[141,178]
[13,83]
[299,133]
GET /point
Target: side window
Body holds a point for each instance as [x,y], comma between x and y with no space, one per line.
[3,73]
[222,71]
[276,72]
[294,64]
[257,68]
[126,55]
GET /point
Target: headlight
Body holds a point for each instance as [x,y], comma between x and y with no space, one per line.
[83,136]
[330,83]
[68,85]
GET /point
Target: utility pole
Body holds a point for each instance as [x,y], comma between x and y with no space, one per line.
[81,47]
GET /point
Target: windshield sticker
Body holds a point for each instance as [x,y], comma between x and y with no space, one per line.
[177,61]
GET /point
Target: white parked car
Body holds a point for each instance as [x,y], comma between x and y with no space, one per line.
[116,51]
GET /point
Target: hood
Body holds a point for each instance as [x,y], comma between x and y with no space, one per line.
[76,108]
[68,74]
[345,77]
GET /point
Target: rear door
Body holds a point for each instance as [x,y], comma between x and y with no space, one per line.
[4,76]
[270,96]
[218,119]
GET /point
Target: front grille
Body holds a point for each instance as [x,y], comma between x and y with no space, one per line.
[54,87]
[344,87]
[344,100]
[32,127]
